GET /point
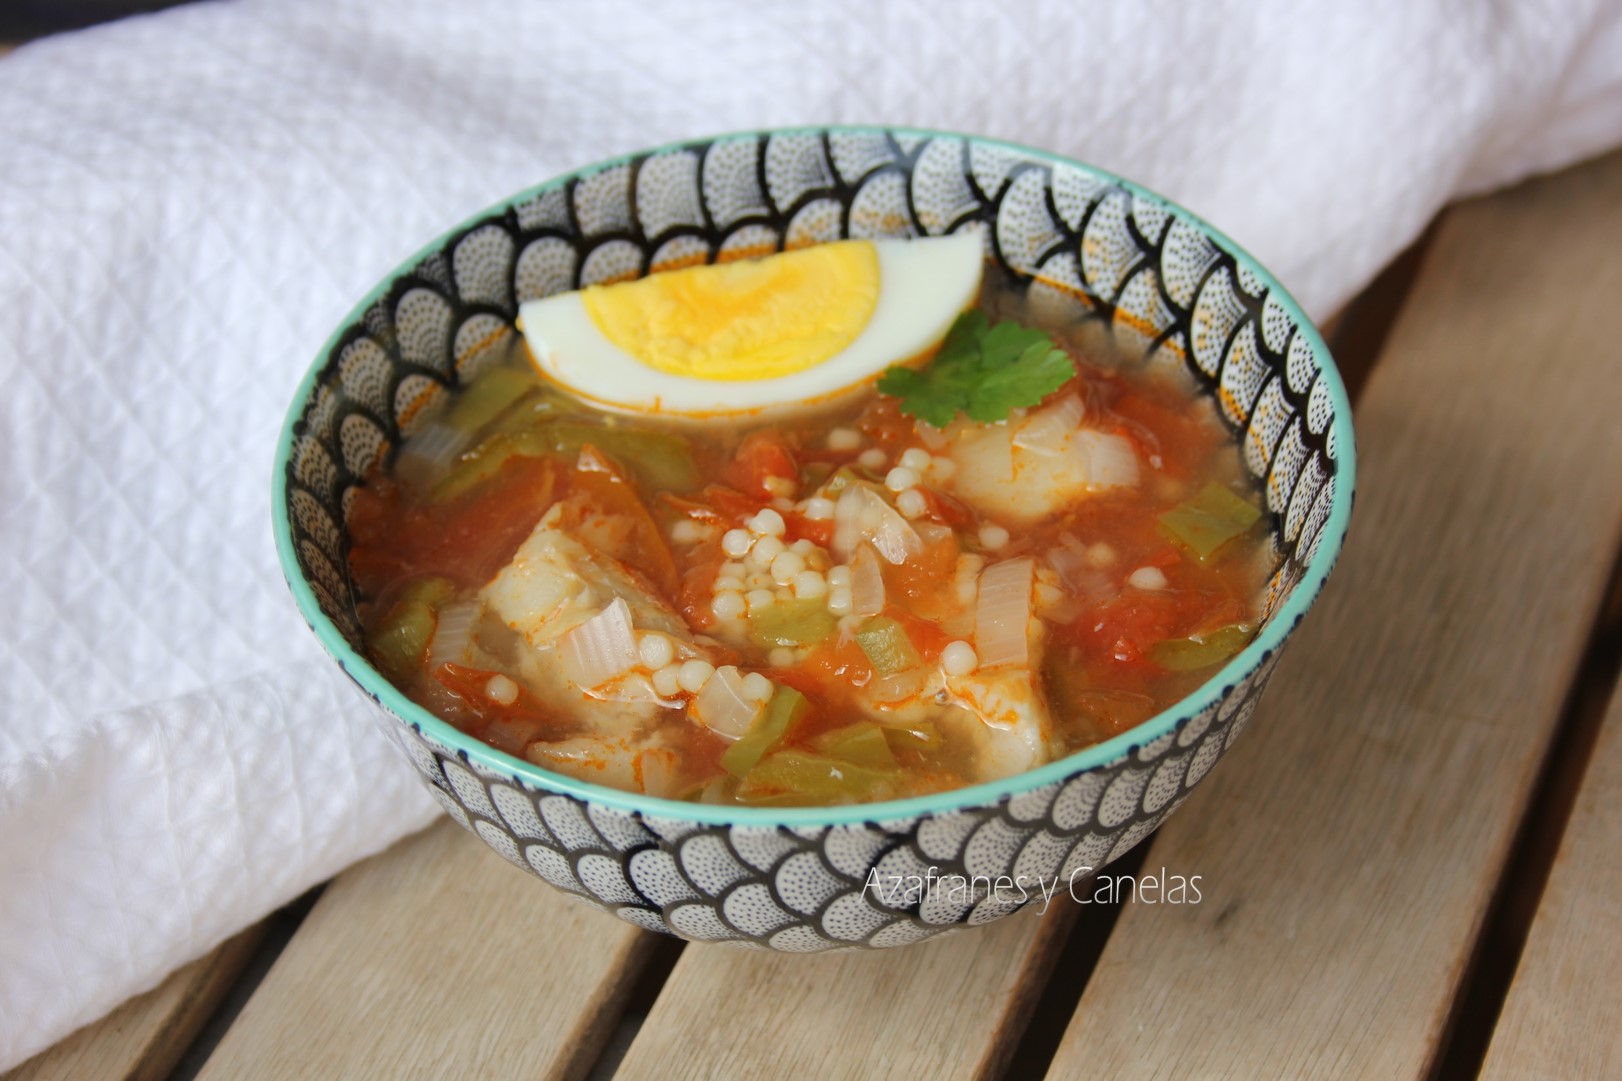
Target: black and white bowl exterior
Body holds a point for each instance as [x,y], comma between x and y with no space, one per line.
[1165,286]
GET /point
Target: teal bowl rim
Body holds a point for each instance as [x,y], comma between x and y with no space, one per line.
[1270,639]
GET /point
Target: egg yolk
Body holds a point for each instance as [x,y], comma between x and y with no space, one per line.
[750,319]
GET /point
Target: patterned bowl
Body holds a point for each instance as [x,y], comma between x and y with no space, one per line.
[1165,285]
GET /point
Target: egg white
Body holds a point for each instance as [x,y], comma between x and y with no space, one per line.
[924,284]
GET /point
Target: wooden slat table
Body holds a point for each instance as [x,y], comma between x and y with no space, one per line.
[1435,752]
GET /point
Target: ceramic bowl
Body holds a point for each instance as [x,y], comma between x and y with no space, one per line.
[1169,289]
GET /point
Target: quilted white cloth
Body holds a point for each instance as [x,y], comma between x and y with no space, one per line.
[189,201]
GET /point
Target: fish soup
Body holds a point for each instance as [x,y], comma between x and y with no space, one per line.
[1009,545]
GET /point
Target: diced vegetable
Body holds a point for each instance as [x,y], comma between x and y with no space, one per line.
[802,622]
[1202,650]
[508,724]
[762,456]
[862,743]
[920,736]
[724,706]
[866,582]
[604,510]
[661,460]
[430,453]
[485,461]
[399,641]
[1208,521]
[793,776]
[1112,712]
[787,706]
[887,646]
[862,514]
[600,649]
[453,633]
[1002,615]
[487,397]
[1111,460]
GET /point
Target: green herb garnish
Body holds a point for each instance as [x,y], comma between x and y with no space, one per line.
[983,369]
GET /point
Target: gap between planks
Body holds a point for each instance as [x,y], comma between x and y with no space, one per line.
[1354,843]
[437,959]
[1560,1017]
[1575,775]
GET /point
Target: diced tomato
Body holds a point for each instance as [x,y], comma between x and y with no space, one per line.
[836,663]
[731,504]
[761,456]
[604,510]
[925,634]
[510,726]
[1124,628]
[689,508]
[819,531]
[1163,557]
[698,583]
[1159,426]
[886,424]
[948,509]
[467,540]
[924,578]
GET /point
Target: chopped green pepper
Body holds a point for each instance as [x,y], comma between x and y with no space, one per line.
[802,622]
[862,743]
[887,646]
[1209,520]
[793,776]
[1201,650]
[767,731]
[664,461]
[400,639]
[488,396]
[919,736]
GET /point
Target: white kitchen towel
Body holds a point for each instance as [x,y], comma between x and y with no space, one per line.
[190,201]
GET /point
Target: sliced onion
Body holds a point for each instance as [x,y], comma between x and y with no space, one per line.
[1067,563]
[660,771]
[453,634]
[1111,461]
[723,707]
[1002,614]
[848,521]
[601,648]
[430,452]
[862,514]
[866,582]
[1048,430]
[890,533]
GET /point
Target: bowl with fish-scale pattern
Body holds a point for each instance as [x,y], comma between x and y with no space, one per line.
[1166,287]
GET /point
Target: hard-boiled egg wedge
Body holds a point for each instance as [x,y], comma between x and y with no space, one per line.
[794,329]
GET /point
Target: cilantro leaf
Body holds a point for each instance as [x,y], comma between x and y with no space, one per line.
[983,369]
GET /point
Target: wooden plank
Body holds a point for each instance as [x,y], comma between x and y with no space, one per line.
[144,1038]
[437,959]
[1561,1018]
[1350,849]
[948,1008]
